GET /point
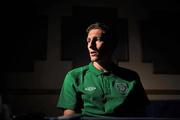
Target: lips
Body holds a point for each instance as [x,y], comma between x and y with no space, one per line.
[93,53]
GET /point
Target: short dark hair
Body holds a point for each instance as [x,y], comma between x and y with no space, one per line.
[97,25]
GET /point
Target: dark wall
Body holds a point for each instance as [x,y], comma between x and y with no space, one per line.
[25,37]
[160,41]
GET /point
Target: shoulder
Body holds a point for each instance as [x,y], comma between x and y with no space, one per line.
[78,71]
[126,73]
[76,75]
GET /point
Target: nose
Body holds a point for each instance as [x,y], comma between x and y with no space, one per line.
[92,44]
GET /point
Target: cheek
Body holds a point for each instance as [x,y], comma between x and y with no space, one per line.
[99,45]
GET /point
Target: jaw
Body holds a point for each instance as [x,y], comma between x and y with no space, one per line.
[99,59]
[101,56]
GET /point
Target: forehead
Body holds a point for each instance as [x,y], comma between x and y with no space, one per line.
[96,31]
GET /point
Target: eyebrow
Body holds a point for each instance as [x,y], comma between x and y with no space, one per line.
[98,37]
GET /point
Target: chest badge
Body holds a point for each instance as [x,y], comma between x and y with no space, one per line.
[122,88]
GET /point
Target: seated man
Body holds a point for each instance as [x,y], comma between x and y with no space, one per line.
[102,88]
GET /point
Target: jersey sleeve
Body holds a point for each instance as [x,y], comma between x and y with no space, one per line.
[138,94]
[139,100]
[67,97]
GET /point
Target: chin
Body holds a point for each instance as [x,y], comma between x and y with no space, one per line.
[94,59]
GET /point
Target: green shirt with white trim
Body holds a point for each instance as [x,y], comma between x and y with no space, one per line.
[92,92]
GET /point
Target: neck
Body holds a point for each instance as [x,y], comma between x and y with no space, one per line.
[104,66]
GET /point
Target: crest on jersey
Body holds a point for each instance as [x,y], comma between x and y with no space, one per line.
[122,87]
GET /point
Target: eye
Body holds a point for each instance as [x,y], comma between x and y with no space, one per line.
[99,38]
[88,40]
[94,39]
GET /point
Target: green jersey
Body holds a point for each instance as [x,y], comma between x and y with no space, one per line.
[92,92]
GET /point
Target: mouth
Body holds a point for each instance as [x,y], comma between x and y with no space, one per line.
[93,53]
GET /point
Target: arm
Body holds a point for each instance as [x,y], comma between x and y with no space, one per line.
[141,100]
[69,115]
[69,112]
[67,100]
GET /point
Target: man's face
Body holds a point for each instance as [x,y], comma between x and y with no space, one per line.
[96,45]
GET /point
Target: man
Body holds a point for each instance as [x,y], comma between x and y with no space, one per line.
[101,88]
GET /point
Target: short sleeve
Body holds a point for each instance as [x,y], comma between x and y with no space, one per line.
[141,94]
[67,97]
[138,100]
[138,94]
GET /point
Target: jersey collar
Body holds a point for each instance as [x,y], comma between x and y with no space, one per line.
[95,70]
